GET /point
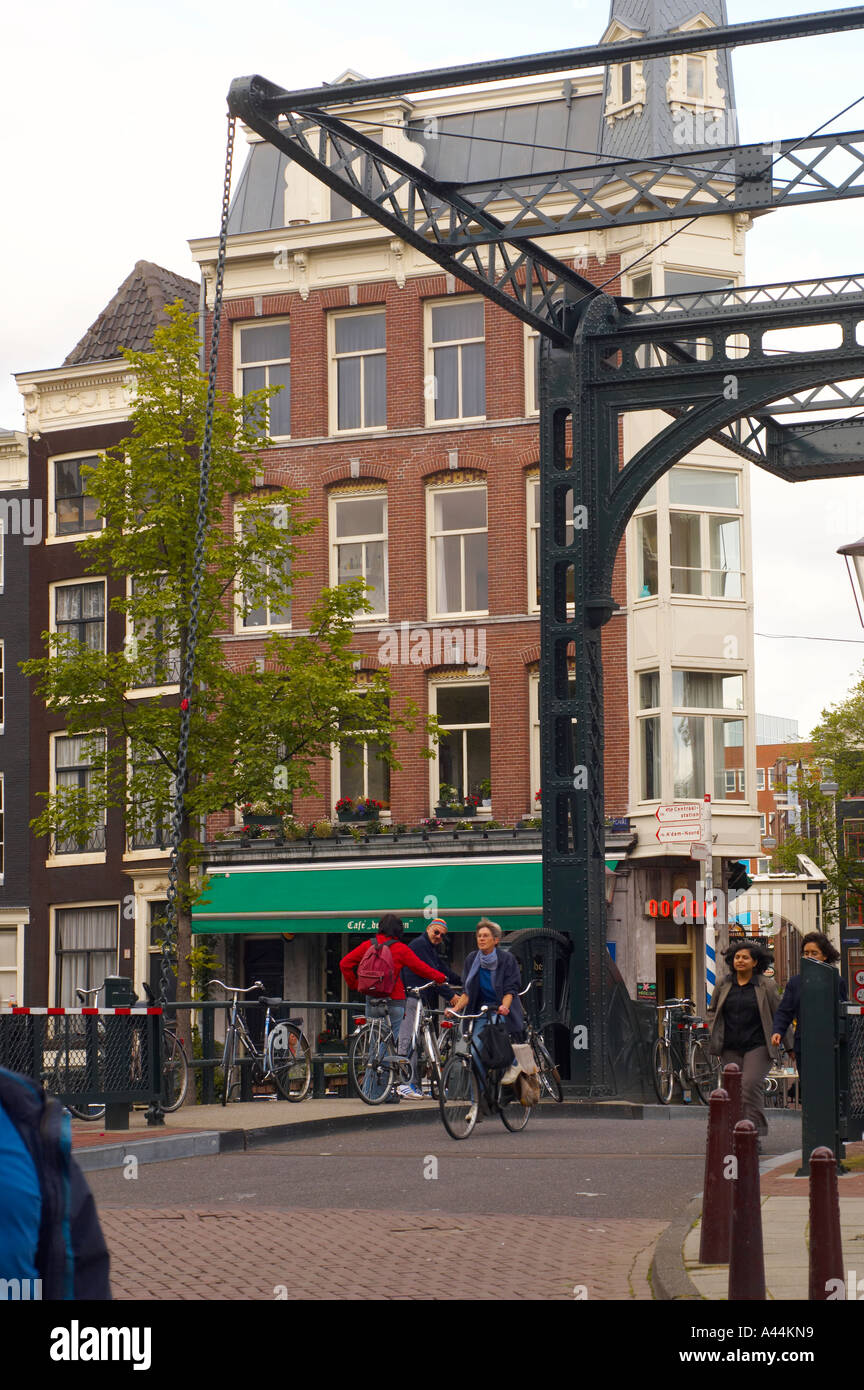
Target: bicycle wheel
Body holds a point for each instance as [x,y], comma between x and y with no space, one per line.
[550,1078]
[289,1061]
[229,1067]
[662,1071]
[703,1071]
[68,1073]
[459,1101]
[372,1074]
[175,1073]
[514,1114]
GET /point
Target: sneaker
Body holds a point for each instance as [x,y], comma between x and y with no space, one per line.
[410,1093]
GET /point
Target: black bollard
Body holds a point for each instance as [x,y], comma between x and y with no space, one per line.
[717,1187]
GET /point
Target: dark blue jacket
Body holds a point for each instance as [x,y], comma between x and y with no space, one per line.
[428,952]
[789,1008]
[71,1258]
[506,979]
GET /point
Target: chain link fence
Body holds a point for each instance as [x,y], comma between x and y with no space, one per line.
[102,1057]
[855,1051]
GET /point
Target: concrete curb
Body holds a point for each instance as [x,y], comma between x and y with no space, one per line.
[153,1148]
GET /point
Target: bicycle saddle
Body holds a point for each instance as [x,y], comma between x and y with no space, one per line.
[271,1003]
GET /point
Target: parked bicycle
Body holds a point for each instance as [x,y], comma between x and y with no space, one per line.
[175,1063]
[284,1056]
[70,1059]
[462,1086]
[550,1077]
[682,1055]
[372,1054]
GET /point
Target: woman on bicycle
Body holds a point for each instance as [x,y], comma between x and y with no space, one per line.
[492,978]
[741,1018]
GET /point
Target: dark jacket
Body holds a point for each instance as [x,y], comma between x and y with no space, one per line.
[789,1008]
[506,979]
[767,998]
[427,951]
[72,1258]
[402,956]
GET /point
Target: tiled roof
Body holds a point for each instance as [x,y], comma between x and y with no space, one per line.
[136,310]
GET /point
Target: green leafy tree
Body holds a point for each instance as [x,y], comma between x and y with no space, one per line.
[836,756]
[256,730]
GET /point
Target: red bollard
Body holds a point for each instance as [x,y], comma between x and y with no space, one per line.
[717,1188]
[731,1083]
[746,1258]
[826,1246]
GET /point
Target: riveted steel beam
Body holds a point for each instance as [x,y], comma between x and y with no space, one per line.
[572,59]
[816,449]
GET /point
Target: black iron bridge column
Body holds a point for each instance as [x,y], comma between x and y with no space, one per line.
[575,455]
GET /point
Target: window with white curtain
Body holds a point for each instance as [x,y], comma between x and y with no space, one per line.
[264,355]
[79,613]
[359,371]
[358,531]
[149,811]
[85,950]
[256,613]
[707,749]
[361,771]
[79,767]
[534,545]
[456,360]
[8,964]
[459,553]
[705,546]
[154,637]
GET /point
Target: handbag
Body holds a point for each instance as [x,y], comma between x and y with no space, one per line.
[527,1088]
[495,1049]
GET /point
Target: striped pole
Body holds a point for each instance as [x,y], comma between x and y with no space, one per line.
[710,963]
[710,909]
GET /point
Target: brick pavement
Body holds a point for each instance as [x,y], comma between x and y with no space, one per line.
[237,1253]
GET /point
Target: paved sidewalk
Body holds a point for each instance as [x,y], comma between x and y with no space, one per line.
[785,1234]
[274,1254]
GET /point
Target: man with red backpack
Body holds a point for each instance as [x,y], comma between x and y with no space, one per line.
[375,968]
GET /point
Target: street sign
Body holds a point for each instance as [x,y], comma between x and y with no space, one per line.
[676,811]
[681,834]
[699,851]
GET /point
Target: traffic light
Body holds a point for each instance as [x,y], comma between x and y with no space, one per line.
[739,879]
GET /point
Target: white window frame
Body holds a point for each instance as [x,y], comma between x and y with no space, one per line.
[763,823]
[431,420]
[531,341]
[240,628]
[533,482]
[534,763]
[730,777]
[705,513]
[54,859]
[431,534]
[346,495]
[151,851]
[385,815]
[73,584]
[52,946]
[274,321]
[760,779]
[772,772]
[435,778]
[140,691]
[10,923]
[763,865]
[53,537]
[333,359]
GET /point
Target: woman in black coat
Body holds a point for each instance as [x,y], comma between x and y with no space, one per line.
[492,978]
[815,946]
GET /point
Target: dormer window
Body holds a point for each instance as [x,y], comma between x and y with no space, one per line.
[626,89]
[626,82]
[696,79]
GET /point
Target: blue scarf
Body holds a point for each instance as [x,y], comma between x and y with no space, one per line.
[481,962]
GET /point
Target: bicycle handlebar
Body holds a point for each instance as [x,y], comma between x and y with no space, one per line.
[235,989]
[415,989]
[484,1010]
[83,992]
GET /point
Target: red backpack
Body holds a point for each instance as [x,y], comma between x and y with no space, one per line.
[377,972]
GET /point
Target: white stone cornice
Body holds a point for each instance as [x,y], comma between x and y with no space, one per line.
[96,393]
[14,471]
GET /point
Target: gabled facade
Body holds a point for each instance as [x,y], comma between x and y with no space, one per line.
[91,904]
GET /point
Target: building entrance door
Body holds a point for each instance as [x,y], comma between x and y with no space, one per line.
[262,960]
[674,976]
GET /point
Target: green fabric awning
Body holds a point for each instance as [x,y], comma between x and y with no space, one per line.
[351,897]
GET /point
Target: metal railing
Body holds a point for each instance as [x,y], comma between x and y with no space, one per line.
[86,1056]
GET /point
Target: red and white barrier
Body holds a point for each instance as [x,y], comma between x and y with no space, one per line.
[61,1013]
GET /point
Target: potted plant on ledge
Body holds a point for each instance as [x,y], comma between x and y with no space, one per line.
[259,816]
[452,805]
[364,808]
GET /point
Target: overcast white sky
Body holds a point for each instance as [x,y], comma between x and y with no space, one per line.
[112,133]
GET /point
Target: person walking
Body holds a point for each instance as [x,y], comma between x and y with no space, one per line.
[391,929]
[741,1018]
[815,946]
[50,1238]
[427,948]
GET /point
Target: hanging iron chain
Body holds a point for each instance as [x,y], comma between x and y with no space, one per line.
[188,675]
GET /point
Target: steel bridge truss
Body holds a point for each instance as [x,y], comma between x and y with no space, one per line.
[701,358]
